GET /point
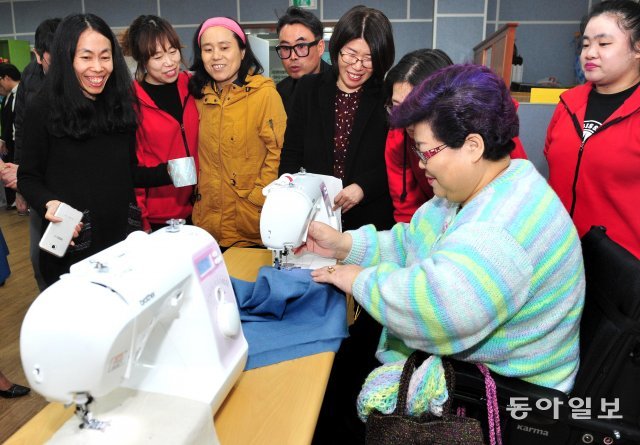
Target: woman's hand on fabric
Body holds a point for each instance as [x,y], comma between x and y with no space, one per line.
[326,241]
[341,276]
[348,197]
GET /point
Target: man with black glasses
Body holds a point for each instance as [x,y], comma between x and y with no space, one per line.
[300,49]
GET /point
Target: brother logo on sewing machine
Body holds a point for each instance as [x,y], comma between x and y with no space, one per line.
[148,298]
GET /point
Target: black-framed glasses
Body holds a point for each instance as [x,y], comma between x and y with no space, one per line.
[350,59]
[429,153]
[301,49]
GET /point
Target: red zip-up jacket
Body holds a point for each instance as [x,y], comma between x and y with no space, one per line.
[408,185]
[160,138]
[598,181]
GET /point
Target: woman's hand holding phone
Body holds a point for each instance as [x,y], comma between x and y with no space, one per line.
[64,225]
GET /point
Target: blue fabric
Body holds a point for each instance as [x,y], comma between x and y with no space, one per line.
[4,263]
[286,315]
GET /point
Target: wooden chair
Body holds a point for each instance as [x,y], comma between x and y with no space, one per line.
[496,51]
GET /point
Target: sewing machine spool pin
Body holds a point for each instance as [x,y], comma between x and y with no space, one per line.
[99,266]
[174,224]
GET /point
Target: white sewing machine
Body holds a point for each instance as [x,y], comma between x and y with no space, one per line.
[150,327]
[292,202]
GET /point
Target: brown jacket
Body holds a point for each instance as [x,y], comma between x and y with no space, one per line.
[240,139]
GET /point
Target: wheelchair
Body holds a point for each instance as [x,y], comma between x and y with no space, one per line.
[609,376]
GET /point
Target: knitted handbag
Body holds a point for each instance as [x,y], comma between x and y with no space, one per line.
[400,428]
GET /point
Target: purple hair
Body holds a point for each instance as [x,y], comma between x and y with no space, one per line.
[459,100]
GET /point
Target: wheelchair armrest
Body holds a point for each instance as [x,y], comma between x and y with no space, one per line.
[470,387]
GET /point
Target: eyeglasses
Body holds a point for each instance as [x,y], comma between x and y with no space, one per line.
[350,59]
[429,153]
[301,49]
[389,108]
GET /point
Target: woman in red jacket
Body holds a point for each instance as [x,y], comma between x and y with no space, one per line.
[593,140]
[168,119]
[407,184]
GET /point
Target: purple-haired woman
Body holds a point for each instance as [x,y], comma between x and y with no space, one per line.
[489,270]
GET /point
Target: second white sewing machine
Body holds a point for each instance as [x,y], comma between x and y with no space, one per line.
[150,329]
[292,202]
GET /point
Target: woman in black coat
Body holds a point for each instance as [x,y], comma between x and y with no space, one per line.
[79,143]
[338,125]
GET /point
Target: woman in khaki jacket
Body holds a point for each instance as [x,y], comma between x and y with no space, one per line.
[242,124]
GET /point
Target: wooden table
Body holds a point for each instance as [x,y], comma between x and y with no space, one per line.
[277,404]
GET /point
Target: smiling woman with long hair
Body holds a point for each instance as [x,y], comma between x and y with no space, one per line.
[79,142]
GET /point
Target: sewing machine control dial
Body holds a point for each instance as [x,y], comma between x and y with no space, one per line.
[228,315]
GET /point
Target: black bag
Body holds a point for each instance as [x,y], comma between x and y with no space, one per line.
[610,326]
[401,428]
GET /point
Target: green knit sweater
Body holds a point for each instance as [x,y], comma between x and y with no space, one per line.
[500,281]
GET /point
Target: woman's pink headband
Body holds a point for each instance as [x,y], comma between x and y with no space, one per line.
[225,23]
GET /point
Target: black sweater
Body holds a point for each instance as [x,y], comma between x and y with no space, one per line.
[308,143]
[95,175]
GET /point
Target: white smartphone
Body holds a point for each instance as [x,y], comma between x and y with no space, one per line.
[58,235]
